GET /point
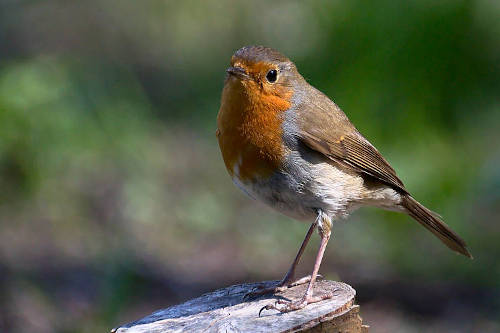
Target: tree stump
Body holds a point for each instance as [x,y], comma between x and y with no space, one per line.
[225,310]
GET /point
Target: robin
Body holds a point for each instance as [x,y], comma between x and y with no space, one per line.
[288,145]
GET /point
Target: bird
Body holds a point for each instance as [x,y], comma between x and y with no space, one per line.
[288,145]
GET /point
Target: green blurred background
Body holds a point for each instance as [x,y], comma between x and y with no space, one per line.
[114,200]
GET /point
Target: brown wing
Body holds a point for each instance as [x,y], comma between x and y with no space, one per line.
[353,152]
[325,128]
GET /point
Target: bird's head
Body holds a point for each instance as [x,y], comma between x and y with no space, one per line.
[261,72]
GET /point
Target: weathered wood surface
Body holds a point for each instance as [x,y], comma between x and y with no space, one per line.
[224,310]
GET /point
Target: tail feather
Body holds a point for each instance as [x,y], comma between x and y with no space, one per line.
[434,224]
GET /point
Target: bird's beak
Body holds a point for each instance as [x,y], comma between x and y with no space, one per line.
[238,72]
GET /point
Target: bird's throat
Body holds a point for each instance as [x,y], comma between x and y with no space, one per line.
[250,127]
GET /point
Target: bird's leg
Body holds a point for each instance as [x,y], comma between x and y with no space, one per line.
[290,275]
[324,229]
[288,279]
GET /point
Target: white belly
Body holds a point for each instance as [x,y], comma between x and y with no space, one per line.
[300,191]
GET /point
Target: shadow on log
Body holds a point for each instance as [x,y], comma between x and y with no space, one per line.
[224,310]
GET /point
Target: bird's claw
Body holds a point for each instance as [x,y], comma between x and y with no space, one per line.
[279,287]
[289,306]
[268,307]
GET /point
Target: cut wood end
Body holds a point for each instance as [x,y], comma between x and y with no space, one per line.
[224,310]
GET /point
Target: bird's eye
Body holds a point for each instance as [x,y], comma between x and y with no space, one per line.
[272,75]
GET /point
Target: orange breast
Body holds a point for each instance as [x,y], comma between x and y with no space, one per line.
[250,131]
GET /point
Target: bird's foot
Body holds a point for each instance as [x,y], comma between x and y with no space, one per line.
[281,286]
[284,306]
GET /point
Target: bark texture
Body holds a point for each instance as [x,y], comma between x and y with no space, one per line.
[224,310]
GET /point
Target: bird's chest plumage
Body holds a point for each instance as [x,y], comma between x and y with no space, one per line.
[250,133]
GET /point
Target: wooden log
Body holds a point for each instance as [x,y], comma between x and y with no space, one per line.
[225,310]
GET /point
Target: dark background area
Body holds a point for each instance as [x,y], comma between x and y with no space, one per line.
[114,200]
